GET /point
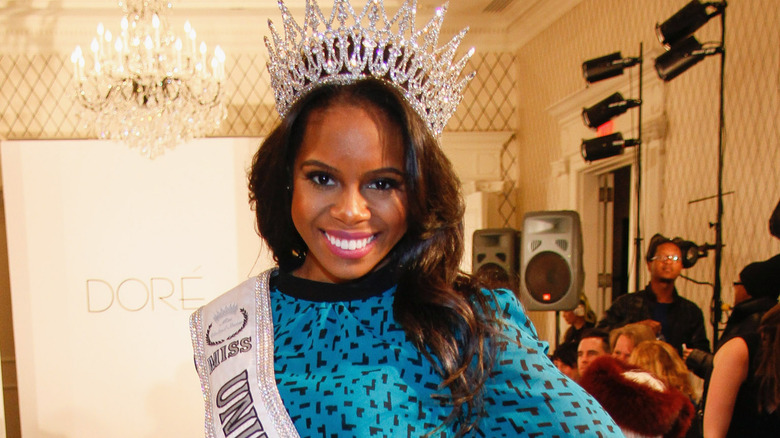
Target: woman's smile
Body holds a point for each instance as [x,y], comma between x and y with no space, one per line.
[349,246]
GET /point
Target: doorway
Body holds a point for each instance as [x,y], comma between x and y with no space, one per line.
[614,237]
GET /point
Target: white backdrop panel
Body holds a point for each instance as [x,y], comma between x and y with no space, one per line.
[109,254]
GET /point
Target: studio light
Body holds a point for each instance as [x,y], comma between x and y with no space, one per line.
[608,108]
[691,252]
[607,146]
[686,21]
[681,57]
[606,67]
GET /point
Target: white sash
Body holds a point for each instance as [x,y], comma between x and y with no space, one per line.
[233,339]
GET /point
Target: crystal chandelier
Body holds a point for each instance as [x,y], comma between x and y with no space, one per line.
[147,87]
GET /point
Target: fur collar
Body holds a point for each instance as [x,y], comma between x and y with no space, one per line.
[635,406]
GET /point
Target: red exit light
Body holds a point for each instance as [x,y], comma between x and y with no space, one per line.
[605,129]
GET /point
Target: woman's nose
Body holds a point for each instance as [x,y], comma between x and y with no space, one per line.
[351,206]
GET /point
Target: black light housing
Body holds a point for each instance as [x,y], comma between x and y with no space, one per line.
[606,67]
[691,252]
[686,21]
[681,57]
[606,146]
[608,108]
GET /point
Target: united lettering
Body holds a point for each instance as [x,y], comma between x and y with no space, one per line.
[237,415]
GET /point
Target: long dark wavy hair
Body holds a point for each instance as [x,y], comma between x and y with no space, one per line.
[768,370]
[442,310]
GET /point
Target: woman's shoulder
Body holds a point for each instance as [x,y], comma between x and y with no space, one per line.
[509,310]
[736,346]
[733,357]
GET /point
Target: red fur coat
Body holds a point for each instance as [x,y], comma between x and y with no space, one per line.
[637,407]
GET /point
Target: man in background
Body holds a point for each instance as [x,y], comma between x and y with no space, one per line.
[593,343]
[672,318]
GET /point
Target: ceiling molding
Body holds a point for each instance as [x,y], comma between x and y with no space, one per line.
[240,25]
[536,19]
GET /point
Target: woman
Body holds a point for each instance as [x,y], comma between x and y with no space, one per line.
[639,402]
[367,327]
[744,392]
[661,359]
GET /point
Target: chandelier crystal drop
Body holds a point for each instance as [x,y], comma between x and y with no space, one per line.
[147,87]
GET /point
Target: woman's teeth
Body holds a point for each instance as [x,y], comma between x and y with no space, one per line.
[349,244]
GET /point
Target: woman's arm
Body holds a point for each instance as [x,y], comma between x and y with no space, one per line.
[730,368]
[526,395]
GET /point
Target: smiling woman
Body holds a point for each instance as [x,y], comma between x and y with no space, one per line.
[368,326]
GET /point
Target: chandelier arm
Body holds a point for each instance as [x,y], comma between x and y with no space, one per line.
[146,86]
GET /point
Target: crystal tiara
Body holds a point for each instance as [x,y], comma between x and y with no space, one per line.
[347,47]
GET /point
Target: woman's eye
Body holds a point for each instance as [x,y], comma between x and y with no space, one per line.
[320,179]
[385,184]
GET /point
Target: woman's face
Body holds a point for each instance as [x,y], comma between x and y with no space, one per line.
[349,200]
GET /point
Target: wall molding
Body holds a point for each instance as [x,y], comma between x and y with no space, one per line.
[476,157]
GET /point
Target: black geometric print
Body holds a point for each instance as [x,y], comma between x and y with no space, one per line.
[345,368]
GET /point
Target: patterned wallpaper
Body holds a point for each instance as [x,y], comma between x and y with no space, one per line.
[37,99]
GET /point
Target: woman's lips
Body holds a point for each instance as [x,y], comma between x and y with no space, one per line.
[350,246]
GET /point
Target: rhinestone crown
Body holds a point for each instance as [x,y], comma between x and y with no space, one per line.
[347,47]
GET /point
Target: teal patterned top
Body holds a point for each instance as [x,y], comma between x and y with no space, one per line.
[344,367]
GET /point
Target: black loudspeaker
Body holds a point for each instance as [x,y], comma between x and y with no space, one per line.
[496,257]
[551,260]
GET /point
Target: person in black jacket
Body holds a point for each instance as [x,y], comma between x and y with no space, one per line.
[755,293]
[673,318]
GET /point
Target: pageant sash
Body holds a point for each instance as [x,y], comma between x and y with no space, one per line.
[233,341]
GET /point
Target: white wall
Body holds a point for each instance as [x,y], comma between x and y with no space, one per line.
[109,254]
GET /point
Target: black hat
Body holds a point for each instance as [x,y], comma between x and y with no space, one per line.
[656,241]
[762,279]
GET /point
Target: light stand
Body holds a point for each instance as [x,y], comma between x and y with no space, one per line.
[673,33]
[638,239]
[716,298]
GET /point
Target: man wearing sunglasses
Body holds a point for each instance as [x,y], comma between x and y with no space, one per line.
[673,318]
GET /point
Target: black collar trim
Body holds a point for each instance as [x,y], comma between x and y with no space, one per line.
[372,284]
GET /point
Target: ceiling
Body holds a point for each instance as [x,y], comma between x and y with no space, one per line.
[58,25]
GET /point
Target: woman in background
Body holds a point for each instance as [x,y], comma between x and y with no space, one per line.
[744,391]
[662,360]
[639,402]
